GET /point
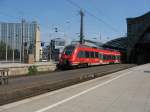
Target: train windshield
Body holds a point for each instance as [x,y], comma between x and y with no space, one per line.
[68,50]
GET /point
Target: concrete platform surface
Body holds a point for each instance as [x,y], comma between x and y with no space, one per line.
[124,91]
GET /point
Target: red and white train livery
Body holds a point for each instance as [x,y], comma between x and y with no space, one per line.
[78,55]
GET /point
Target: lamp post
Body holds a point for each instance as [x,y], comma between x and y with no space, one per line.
[6,43]
[14,43]
[81,27]
[22,41]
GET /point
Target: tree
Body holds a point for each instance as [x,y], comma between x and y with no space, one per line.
[3,51]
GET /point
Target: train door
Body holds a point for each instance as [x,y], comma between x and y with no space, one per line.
[81,57]
[105,59]
[91,58]
[117,59]
[96,57]
[87,57]
[100,58]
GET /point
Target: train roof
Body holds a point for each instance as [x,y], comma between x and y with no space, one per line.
[98,48]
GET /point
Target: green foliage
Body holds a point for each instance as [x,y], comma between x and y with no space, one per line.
[32,70]
[9,51]
[3,51]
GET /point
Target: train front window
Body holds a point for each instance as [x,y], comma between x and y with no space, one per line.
[69,50]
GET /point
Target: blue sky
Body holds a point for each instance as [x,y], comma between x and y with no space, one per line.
[61,14]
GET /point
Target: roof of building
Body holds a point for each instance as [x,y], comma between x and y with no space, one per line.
[146,15]
[118,44]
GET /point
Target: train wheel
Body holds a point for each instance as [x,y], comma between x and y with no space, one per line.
[86,65]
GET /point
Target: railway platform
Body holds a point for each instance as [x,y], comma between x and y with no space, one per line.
[19,69]
[22,87]
[123,91]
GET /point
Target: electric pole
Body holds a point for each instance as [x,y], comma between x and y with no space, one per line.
[22,41]
[100,36]
[81,27]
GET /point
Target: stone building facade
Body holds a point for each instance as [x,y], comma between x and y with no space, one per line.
[138,39]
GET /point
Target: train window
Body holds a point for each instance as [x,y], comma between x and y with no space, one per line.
[100,56]
[68,50]
[104,57]
[92,54]
[81,54]
[113,57]
[118,57]
[87,54]
[109,57]
[96,54]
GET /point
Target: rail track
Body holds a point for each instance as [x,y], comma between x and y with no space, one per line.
[23,87]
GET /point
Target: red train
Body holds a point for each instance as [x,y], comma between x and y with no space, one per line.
[82,55]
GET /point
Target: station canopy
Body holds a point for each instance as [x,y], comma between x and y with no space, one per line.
[117,44]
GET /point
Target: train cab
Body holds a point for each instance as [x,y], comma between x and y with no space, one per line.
[67,56]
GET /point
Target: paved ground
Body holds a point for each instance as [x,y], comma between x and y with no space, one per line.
[15,83]
[23,87]
[124,91]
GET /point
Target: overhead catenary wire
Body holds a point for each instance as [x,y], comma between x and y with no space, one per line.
[93,15]
[106,16]
[10,16]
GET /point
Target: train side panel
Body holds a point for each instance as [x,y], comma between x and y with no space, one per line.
[78,55]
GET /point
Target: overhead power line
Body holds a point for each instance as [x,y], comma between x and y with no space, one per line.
[74,4]
[99,19]
[94,16]
[10,16]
